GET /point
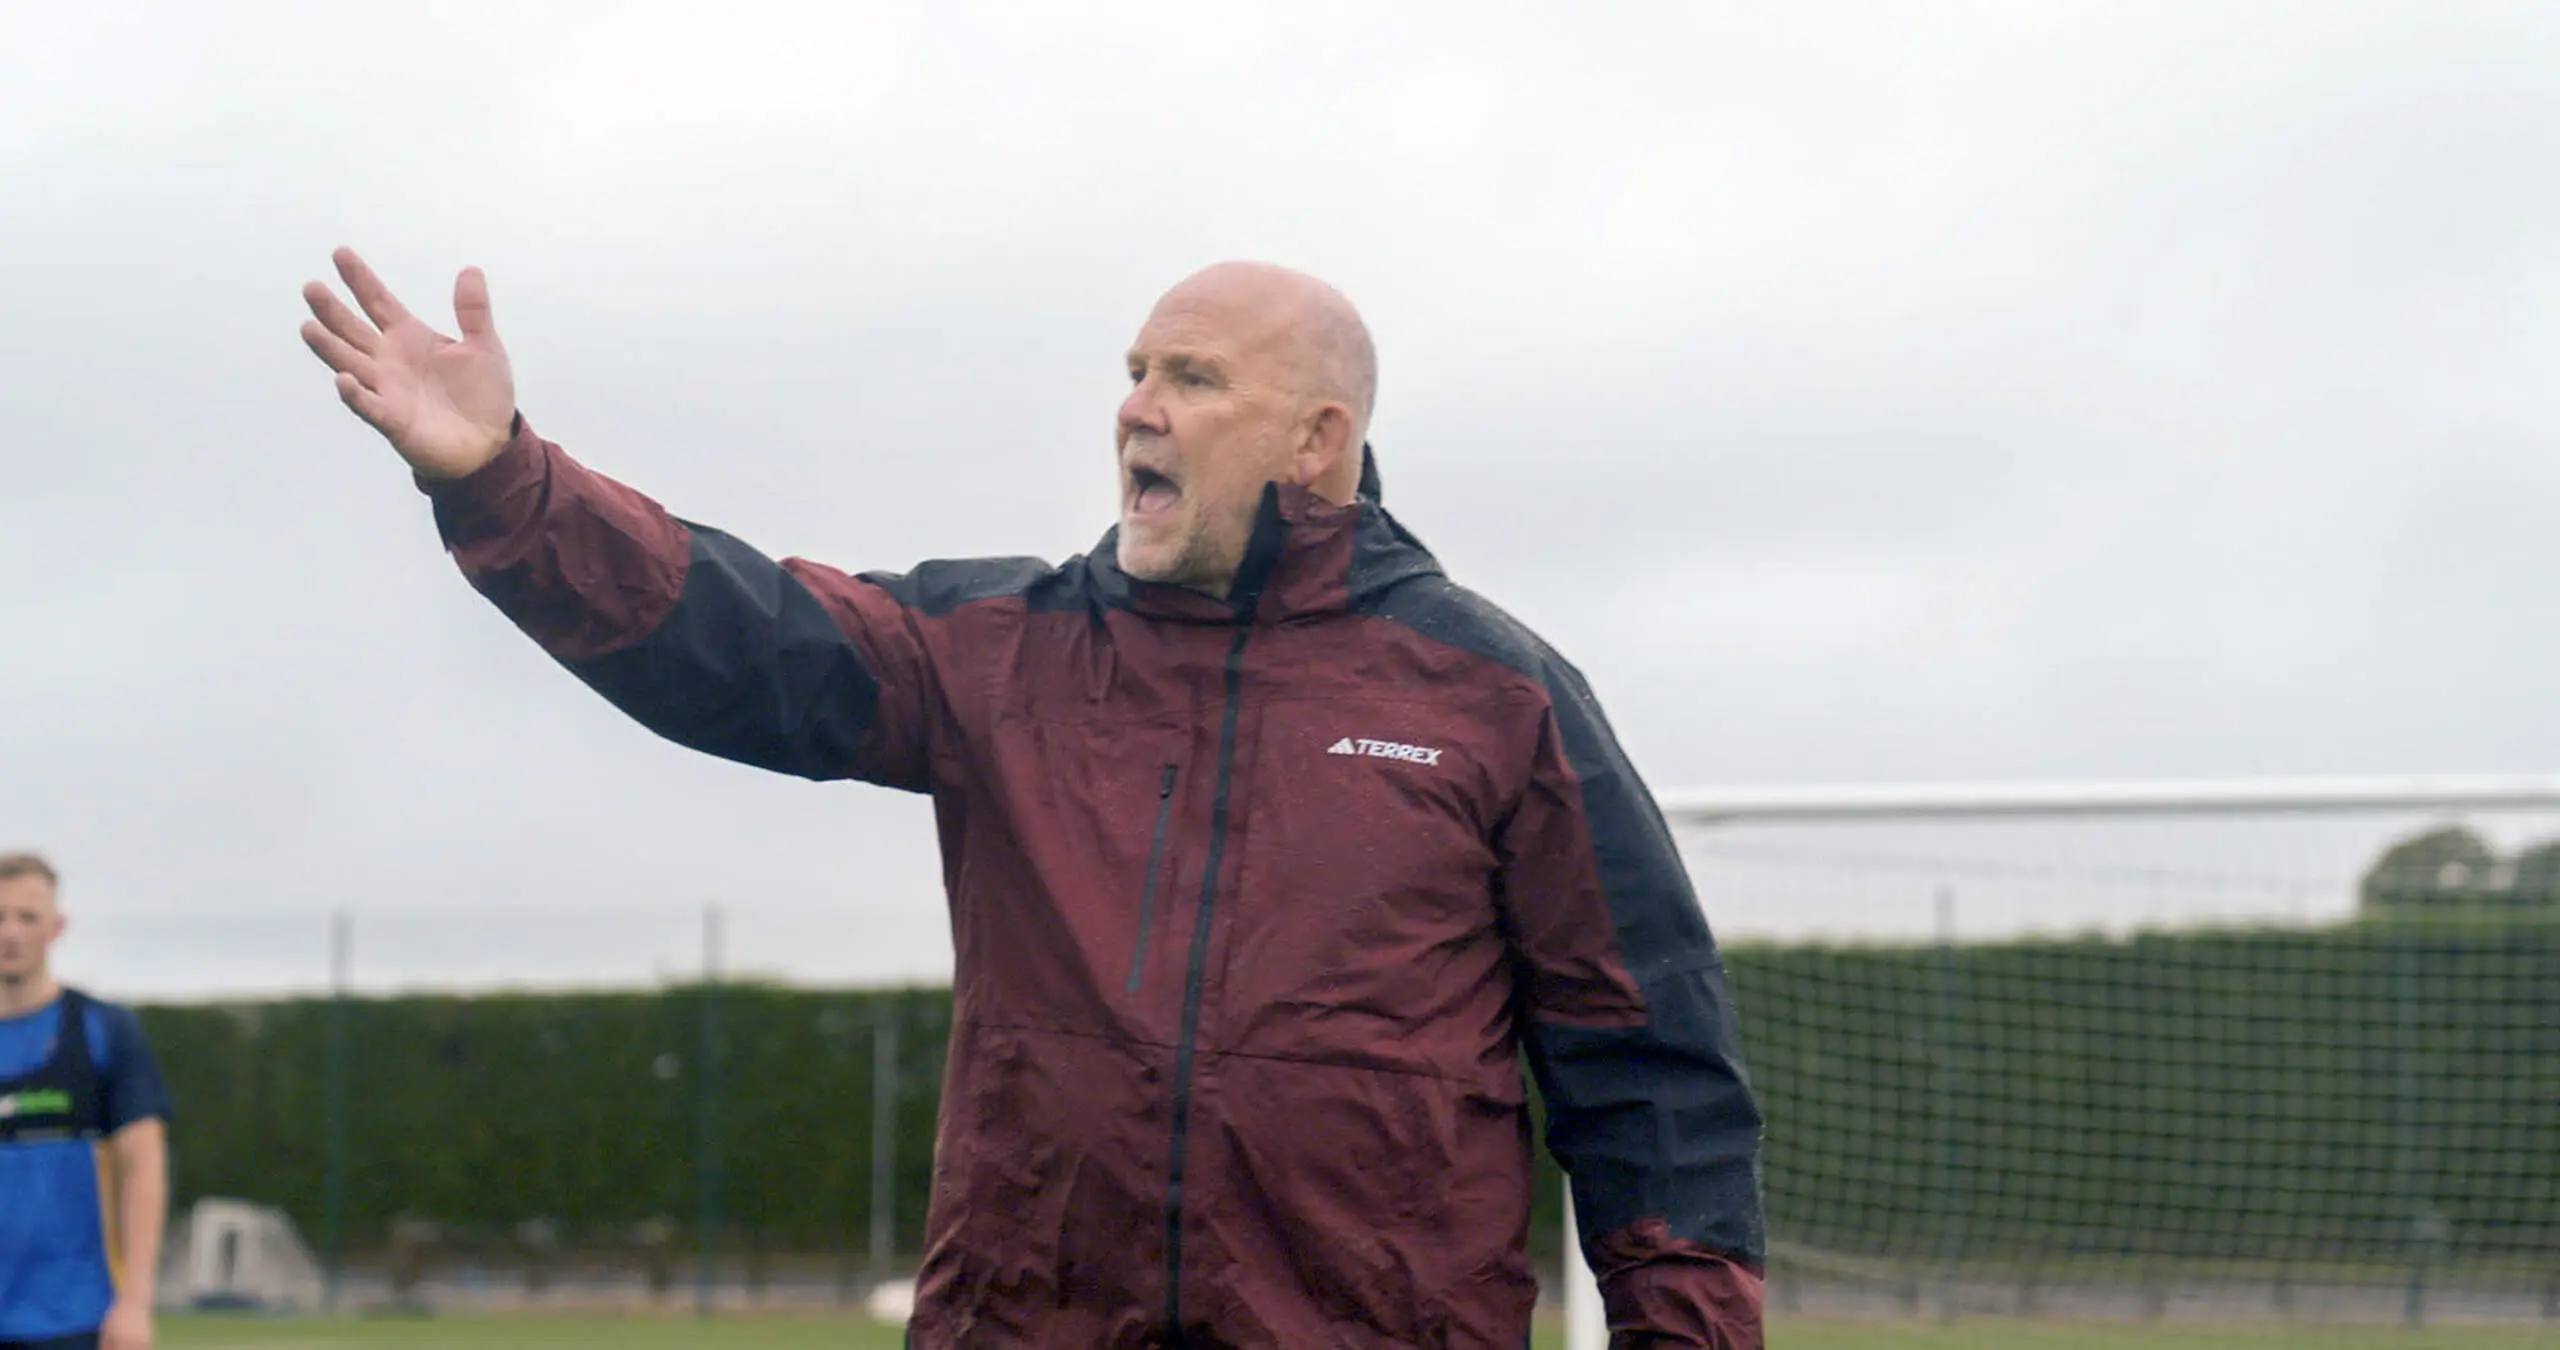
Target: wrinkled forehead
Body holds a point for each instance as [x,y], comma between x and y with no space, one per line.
[1220,319]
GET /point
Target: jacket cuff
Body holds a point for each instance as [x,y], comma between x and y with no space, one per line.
[495,498]
[1661,1291]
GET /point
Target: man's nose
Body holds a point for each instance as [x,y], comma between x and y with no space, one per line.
[1142,410]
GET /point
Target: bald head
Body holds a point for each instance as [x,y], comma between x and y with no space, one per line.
[1245,374]
[1309,324]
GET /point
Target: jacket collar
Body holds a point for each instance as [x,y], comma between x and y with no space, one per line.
[1306,556]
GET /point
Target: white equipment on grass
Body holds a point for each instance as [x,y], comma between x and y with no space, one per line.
[891,1301]
[231,1254]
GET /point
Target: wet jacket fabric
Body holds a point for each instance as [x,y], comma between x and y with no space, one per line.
[1256,903]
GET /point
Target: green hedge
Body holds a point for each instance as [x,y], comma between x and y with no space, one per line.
[2346,1094]
[584,1108]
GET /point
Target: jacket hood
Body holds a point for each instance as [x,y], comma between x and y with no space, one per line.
[1306,556]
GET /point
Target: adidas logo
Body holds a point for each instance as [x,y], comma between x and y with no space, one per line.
[1411,754]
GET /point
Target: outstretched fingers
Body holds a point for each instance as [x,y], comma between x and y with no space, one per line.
[379,304]
[339,320]
[362,401]
[339,354]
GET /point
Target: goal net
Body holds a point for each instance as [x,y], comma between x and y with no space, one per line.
[2233,1052]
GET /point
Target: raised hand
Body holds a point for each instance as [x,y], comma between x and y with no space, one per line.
[445,405]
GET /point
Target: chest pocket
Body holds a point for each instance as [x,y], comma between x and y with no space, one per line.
[1367,861]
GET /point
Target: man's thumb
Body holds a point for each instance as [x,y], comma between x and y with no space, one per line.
[471,304]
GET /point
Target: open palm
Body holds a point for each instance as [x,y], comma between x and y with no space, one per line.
[445,404]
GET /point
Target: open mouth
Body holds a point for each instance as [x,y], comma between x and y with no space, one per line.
[1151,493]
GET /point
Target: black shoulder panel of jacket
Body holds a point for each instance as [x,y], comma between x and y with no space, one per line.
[1386,555]
[748,666]
[1657,1121]
[935,589]
[751,666]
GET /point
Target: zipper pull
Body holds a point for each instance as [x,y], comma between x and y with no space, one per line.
[1165,789]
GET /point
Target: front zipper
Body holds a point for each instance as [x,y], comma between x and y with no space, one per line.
[1155,859]
[1182,1054]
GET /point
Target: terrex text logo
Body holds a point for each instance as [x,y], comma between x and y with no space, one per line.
[1411,754]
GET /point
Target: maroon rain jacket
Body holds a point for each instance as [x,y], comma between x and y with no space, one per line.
[1256,903]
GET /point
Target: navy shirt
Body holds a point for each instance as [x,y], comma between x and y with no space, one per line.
[56,1273]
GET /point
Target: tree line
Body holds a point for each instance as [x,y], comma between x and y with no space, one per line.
[2453,868]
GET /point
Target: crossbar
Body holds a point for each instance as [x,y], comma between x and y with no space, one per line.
[2126,797]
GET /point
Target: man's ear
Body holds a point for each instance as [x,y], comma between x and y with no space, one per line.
[1324,447]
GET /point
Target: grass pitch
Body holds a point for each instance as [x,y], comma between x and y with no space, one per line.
[545,1333]
[1987,1335]
[530,1333]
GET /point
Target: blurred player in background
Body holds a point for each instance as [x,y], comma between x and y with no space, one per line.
[1269,848]
[84,1154]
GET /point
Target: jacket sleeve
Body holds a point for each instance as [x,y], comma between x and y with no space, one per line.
[788,666]
[1631,1036]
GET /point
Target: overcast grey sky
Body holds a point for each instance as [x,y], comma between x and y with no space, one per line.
[1854,392]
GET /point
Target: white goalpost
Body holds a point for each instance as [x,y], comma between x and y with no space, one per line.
[1720,809]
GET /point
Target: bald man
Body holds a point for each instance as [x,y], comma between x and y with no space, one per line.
[1269,851]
